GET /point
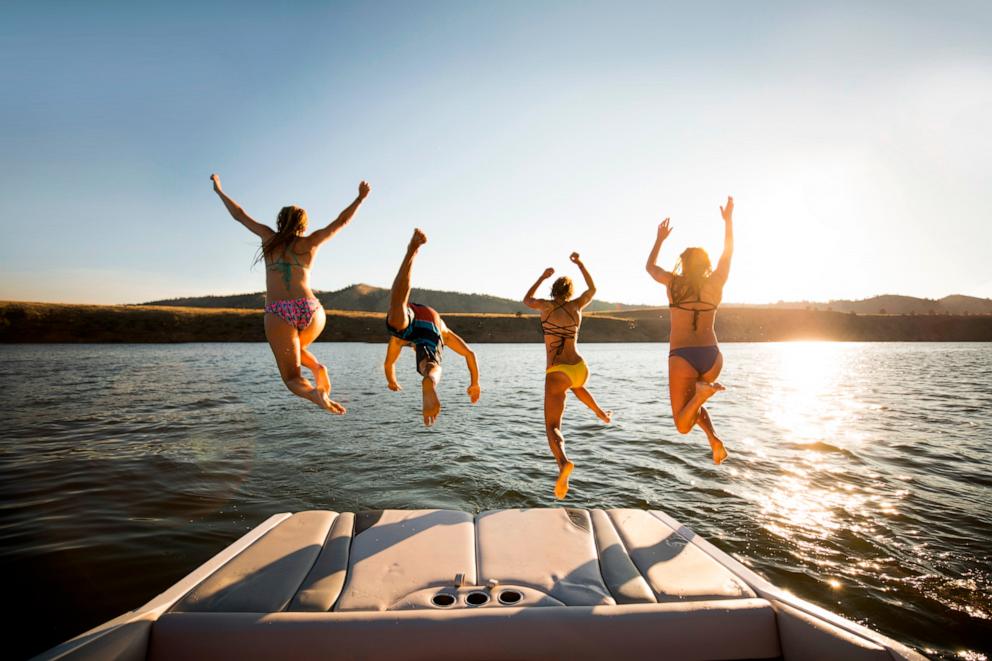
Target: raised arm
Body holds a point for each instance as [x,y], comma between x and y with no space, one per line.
[723,266]
[457,344]
[392,353]
[586,297]
[238,213]
[325,233]
[537,303]
[656,272]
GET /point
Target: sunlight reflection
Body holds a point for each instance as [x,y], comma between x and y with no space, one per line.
[808,373]
[795,507]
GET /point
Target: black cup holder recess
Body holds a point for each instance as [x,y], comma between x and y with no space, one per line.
[476,598]
[510,597]
[443,600]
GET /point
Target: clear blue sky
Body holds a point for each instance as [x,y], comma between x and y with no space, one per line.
[855,137]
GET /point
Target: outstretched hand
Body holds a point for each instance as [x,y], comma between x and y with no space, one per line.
[364,189]
[474,391]
[575,258]
[664,229]
[214,178]
[548,272]
[395,387]
[728,211]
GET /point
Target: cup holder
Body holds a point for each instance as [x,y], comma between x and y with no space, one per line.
[443,600]
[477,599]
[510,597]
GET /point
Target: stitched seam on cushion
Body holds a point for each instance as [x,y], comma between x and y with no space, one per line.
[316,558]
[347,565]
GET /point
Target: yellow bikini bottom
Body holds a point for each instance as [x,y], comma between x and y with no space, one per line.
[578,372]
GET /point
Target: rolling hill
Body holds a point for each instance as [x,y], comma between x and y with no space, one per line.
[893,304]
[366,298]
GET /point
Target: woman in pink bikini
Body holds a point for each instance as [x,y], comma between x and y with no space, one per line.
[293,315]
[694,358]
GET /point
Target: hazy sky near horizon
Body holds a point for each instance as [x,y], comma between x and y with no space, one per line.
[855,138]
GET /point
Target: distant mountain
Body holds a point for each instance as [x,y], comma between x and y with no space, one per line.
[367,298]
[893,304]
[958,304]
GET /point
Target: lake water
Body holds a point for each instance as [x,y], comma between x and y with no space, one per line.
[858,478]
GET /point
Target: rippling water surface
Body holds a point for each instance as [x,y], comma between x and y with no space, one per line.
[858,475]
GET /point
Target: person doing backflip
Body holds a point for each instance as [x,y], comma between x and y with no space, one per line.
[421,327]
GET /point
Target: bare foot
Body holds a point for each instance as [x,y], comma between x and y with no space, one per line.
[323,379]
[605,416]
[707,390]
[432,405]
[719,452]
[561,485]
[323,401]
[418,239]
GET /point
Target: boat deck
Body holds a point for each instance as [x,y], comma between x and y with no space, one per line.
[504,584]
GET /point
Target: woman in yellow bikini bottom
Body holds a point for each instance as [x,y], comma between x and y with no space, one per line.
[561,317]
[577,372]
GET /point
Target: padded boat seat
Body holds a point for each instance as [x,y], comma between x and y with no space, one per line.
[397,552]
[324,583]
[675,569]
[726,629]
[266,575]
[551,550]
[619,572]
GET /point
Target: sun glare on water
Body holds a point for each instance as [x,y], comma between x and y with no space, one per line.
[812,411]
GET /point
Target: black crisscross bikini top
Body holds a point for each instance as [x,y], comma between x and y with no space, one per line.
[681,305]
[561,331]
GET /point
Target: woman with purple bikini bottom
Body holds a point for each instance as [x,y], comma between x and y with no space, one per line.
[294,317]
[694,361]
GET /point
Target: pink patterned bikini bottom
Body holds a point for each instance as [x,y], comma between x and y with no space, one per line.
[297,312]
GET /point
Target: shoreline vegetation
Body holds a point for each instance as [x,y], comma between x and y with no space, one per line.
[26,322]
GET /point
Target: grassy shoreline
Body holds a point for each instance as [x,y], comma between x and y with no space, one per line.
[24,322]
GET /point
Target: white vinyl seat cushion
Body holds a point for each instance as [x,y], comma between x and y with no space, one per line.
[322,586]
[726,629]
[405,551]
[675,569]
[265,576]
[552,550]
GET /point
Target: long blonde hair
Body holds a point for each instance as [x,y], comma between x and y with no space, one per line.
[691,271]
[291,223]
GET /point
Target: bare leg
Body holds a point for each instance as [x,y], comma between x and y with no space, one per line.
[555,386]
[688,395]
[319,371]
[686,418]
[307,359]
[400,294]
[704,423]
[432,404]
[285,343]
[586,398]
[689,390]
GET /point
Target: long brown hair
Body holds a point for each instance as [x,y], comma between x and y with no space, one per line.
[561,290]
[691,271]
[291,223]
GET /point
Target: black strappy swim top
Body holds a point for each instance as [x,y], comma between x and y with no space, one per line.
[562,332]
[680,305]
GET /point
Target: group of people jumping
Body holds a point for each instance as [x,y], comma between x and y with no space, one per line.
[294,318]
